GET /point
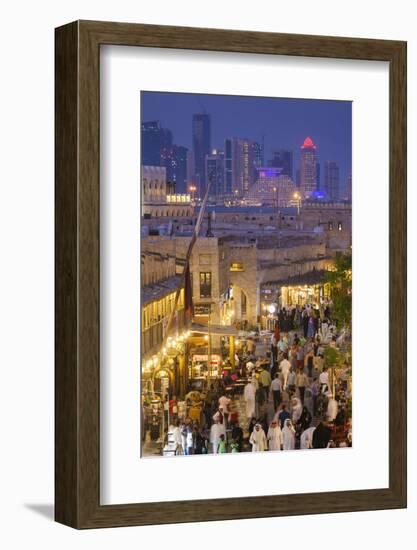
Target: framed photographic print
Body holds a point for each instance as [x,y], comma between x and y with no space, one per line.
[230,274]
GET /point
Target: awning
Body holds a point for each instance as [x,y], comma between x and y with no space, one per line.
[219,330]
[309,278]
[157,291]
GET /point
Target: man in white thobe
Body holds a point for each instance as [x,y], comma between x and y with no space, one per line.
[284,366]
[274,437]
[249,396]
[258,439]
[306,439]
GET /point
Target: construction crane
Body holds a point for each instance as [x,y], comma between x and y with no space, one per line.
[187,258]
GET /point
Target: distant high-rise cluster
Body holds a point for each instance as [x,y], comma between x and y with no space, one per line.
[242,159]
[158,149]
[237,170]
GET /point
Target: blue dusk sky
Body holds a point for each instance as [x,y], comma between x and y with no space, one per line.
[283,123]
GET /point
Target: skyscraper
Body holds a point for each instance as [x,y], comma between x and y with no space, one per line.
[228,166]
[215,170]
[283,159]
[240,166]
[331,180]
[308,168]
[179,168]
[166,153]
[201,147]
[245,165]
[151,143]
[258,156]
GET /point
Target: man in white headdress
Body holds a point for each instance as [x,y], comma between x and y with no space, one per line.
[288,436]
[306,439]
[274,436]
[249,396]
[324,331]
[258,439]
[249,367]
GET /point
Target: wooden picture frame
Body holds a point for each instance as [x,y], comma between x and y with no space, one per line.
[77,405]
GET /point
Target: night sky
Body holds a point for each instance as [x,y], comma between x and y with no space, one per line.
[284,123]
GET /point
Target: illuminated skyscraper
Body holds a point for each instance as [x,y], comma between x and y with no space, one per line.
[179,168]
[308,168]
[246,165]
[201,148]
[240,165]
[228,166]
[215,170]
[257,156]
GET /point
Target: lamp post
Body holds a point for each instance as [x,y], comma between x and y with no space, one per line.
[271,310]
[192,190]
[297,197]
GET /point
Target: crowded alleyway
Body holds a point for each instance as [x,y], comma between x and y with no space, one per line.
[290,389]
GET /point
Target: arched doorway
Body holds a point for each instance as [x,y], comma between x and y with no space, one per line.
[163,380]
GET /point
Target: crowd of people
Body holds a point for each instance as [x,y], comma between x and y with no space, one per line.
[290,400]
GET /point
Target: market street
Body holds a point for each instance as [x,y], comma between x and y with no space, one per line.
[283,389]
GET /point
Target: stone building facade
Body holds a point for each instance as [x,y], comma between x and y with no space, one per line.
[158,197]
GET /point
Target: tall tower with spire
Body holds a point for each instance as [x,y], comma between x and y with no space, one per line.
[308,168]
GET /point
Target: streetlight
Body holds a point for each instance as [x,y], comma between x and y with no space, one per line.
[297,197]
[270,320]
[192,189]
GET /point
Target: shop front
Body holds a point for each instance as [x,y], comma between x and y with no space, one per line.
[308,288]
[206,361]
[269,307]
[299,295]
[163,376]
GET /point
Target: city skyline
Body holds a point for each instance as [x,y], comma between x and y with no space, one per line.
[280,123]
[246,288]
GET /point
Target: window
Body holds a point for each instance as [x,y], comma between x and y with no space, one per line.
[330,226]
[339,226]
[237,266]
[205,284]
